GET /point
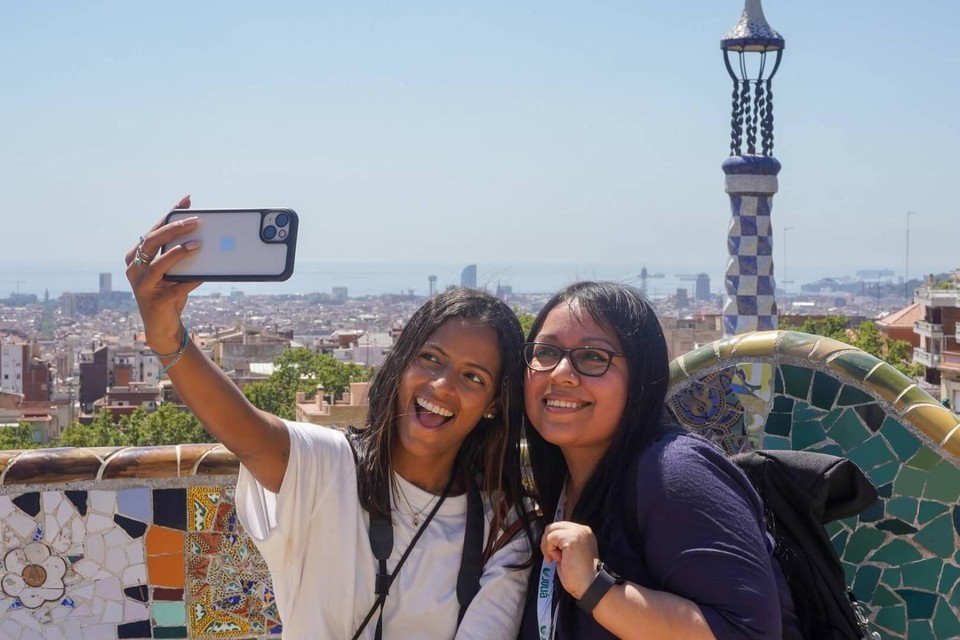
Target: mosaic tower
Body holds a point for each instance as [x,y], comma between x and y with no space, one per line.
[751,173]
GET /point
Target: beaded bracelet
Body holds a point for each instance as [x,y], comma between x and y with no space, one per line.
[176,355]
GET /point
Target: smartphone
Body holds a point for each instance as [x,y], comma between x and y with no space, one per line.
[238,245]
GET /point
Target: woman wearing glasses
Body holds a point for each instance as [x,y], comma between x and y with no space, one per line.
[652,532]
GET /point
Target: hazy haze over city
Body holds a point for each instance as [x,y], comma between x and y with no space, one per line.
[493,132]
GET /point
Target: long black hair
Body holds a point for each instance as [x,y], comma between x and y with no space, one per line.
[626,313]
[490,454]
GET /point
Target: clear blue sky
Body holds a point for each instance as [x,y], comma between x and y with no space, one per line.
[477,131]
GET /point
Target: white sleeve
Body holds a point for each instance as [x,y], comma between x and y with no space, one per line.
[320,458]
[496,610]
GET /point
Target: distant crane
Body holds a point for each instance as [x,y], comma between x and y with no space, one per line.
[644,276]
[17,283]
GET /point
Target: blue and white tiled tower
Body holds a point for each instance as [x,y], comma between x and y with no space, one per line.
[751,173]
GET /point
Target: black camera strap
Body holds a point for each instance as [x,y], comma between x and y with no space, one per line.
[471,561]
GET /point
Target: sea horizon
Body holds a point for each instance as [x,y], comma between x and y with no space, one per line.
[374,278]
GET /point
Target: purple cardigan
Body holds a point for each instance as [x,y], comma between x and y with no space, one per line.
[701,523]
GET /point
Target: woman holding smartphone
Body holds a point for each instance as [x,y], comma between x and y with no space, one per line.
[441,441]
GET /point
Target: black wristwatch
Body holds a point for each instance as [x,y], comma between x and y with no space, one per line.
[598,588]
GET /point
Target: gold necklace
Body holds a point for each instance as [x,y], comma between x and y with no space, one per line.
[416,513]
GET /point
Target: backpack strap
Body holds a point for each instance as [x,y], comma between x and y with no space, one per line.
[471,561]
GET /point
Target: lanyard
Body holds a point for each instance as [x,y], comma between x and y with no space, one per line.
[546,611]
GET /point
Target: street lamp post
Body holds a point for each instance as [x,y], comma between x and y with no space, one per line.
[906,266]
[784,269]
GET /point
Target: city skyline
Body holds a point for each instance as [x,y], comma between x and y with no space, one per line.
[478,134]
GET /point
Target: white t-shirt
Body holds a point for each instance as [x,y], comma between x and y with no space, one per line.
[314,538]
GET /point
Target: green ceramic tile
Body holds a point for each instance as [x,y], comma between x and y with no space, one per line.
[853,364]
[903,507]
[676,373]
[830,449]
[904,442]
[938,536]
[796,380]
[948,578]
[920,604]
[868,576]
[170,632]
[895,526]
[848,431]
[872,453]
[796,344]
[824,391]
[896,552]
[923,574]
[803,411]
[919,630]
[910,482]
[849,572]
[839,541]
[169,614]
[778,424]
[807,433]
[945,622]
[925,459]
[943,483]
[851,395]
[883,474]
[884,597]
[888,382]
[955,598]
[776,442]
[893,619]
[696,360]
[891,577]
[783,404]
[929,511]
[862,542]
[778,382]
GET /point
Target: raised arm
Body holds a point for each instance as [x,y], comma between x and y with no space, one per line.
[258,439]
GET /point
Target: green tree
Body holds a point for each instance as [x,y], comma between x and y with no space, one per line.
[18,437]
[302,370]
[866,337]
[526,321]
[101,432]
[166,425]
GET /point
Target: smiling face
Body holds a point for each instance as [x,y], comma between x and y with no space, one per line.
[449,385]
[578,413]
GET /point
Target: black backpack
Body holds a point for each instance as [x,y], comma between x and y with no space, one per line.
[801,491]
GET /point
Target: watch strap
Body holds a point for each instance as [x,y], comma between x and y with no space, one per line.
[598,588]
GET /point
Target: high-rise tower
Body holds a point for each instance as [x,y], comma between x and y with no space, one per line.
[751,172]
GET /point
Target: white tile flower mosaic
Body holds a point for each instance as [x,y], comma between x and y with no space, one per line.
[68,559]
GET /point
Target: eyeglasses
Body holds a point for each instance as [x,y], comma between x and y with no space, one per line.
[590,361]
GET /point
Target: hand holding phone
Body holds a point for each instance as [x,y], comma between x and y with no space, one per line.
[237,245]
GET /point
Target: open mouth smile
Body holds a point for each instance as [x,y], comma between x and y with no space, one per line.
[431,415]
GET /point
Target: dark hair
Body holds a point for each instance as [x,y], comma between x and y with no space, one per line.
[490,454]
[625,312]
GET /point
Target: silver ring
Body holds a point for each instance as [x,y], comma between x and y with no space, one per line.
[141,258]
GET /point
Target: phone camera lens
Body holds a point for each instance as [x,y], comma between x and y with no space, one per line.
[282,219]
[269,232]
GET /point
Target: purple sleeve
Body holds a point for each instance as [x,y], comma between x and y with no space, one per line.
[702,529]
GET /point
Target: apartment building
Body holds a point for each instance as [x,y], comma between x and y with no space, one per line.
[939,331]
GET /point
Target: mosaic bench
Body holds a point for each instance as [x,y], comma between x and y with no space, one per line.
[100,544]
[789,390]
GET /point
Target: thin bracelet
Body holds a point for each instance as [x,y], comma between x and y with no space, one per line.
[184,341]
